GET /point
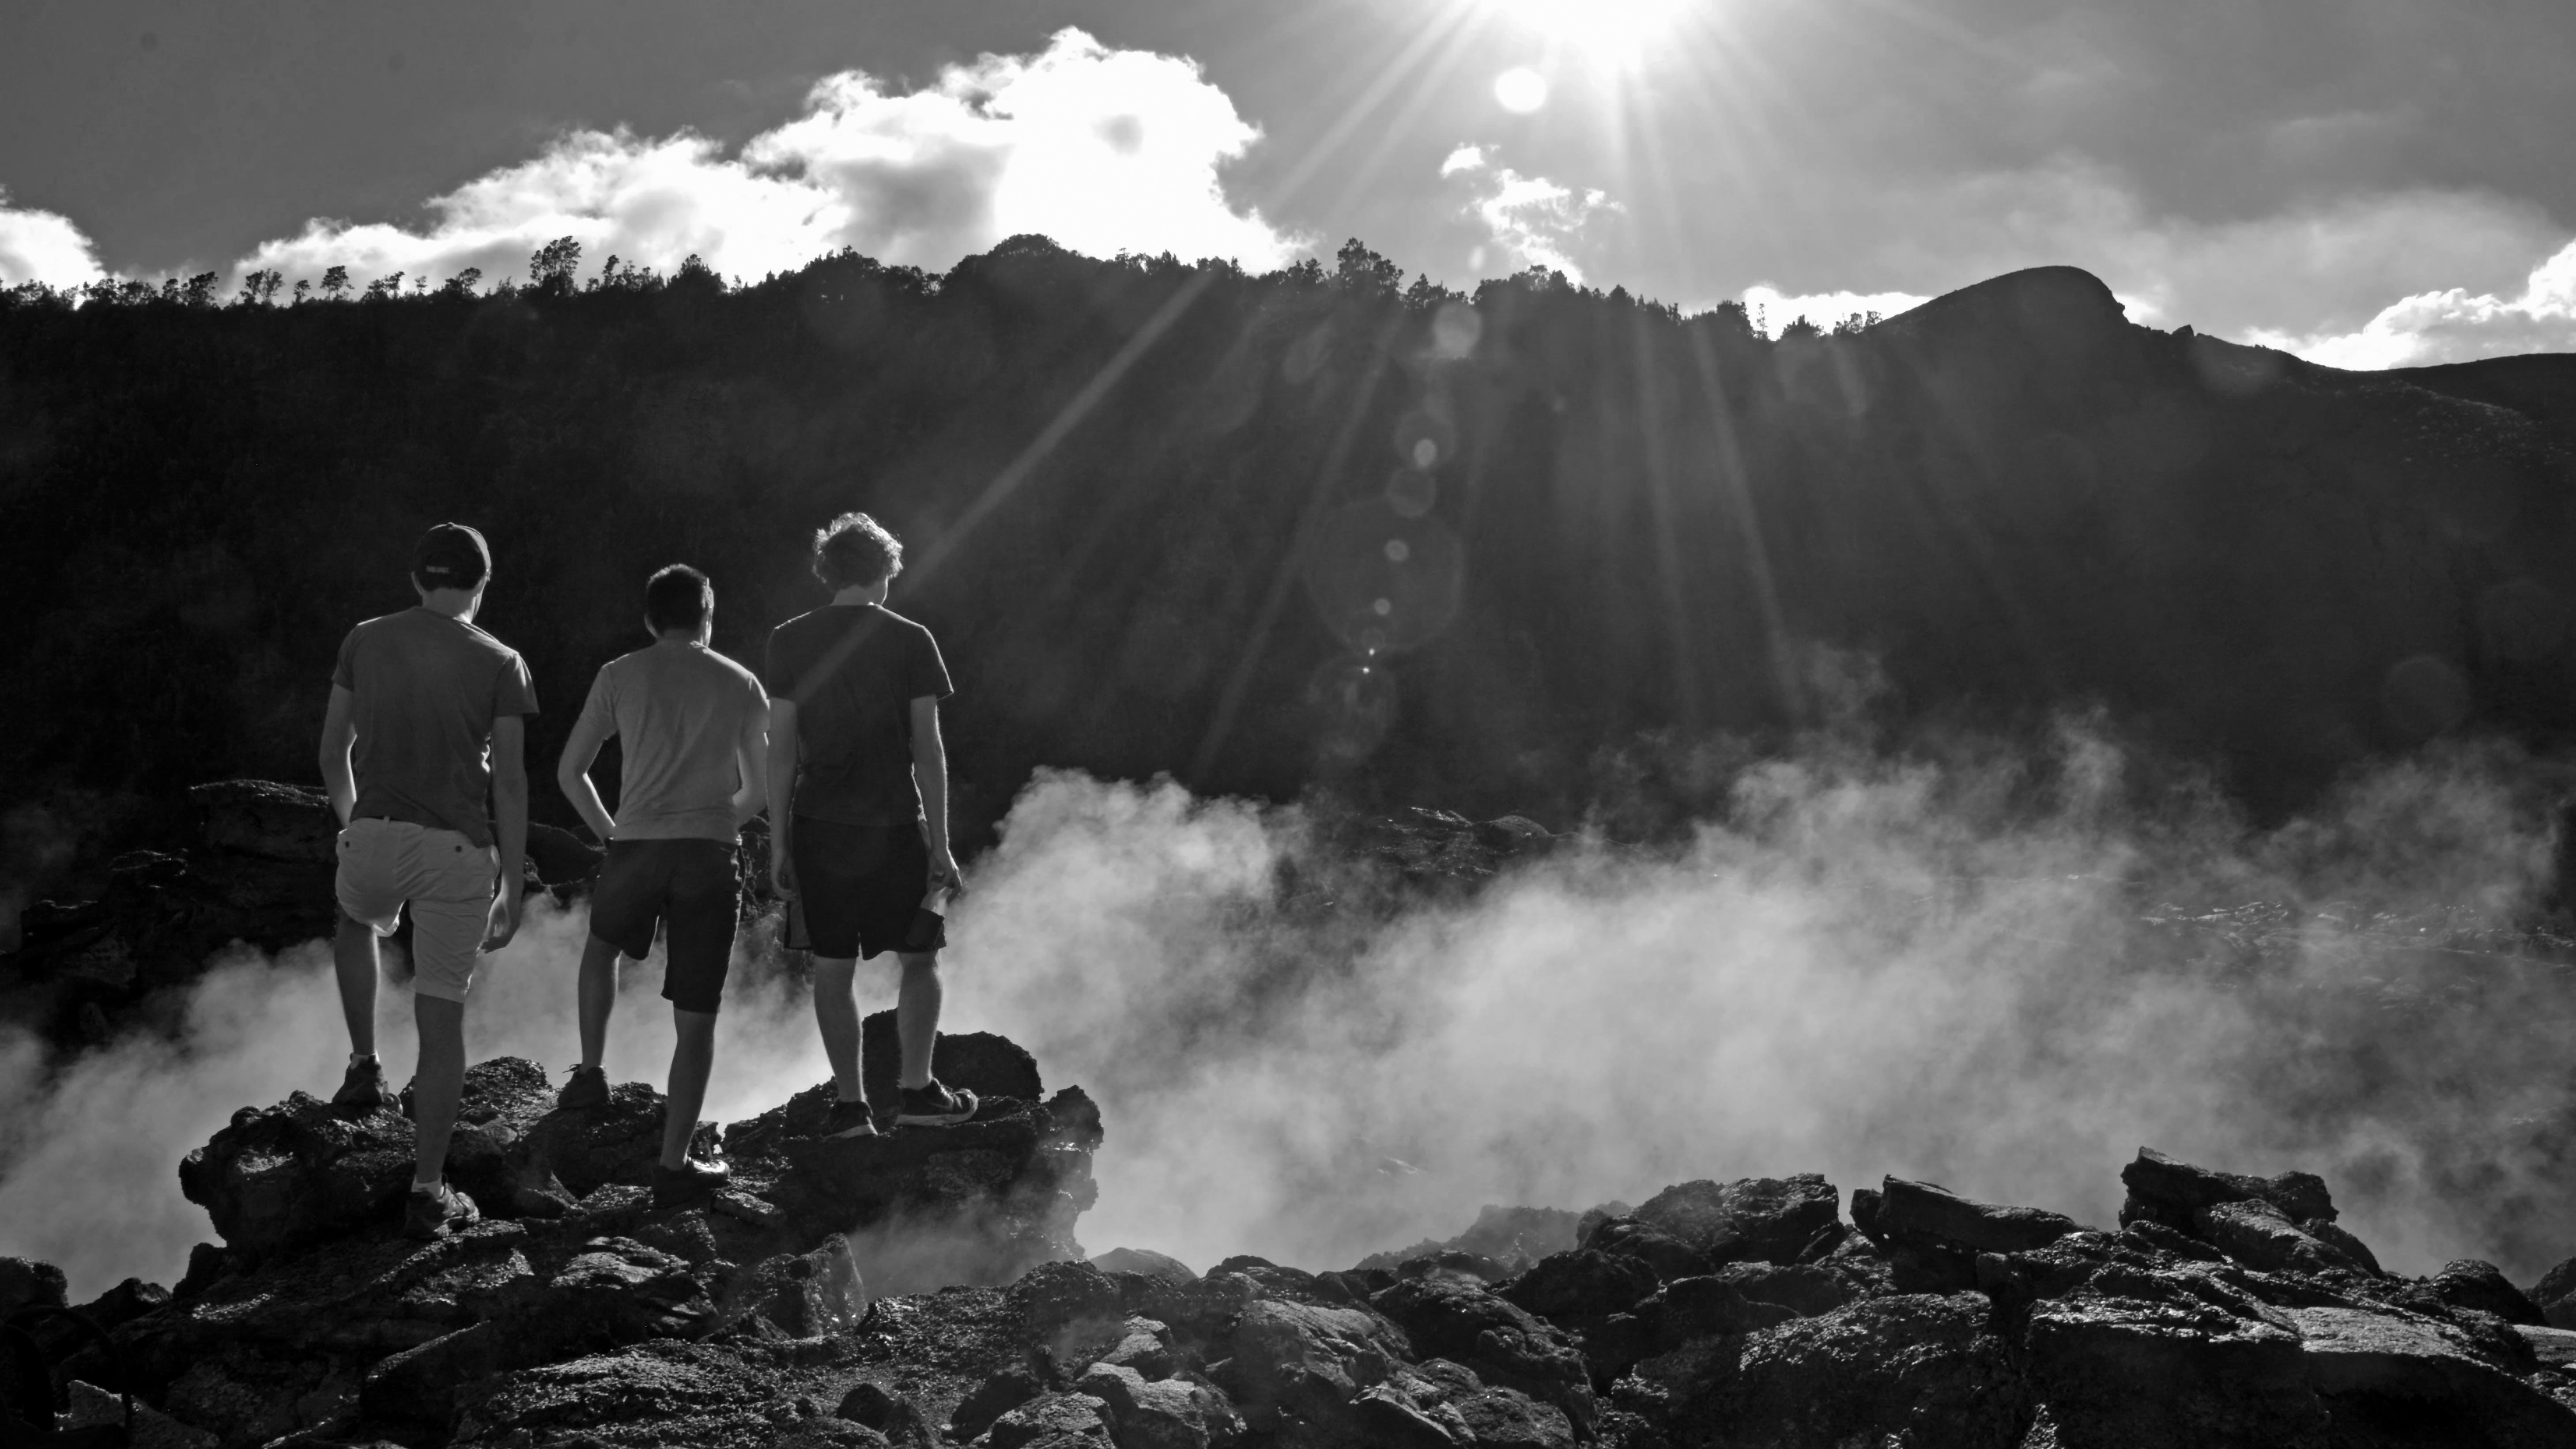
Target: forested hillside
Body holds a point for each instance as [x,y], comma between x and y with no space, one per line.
[1519,551]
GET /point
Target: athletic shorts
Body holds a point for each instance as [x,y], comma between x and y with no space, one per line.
[689,887]
[446,879]
[859,888]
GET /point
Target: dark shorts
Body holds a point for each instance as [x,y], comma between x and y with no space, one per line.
[689,887]
[860,888]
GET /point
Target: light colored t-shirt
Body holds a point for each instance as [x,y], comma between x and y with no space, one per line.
[677,711]
[425,689]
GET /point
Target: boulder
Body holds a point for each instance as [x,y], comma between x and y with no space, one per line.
[997,1395]
[1150,1413]
[1756,1219]
[1307,1362]
[1687,1309]
[990,1066]
[26,1283]
[2256,1233]
[1581,1285]
[2555,1295]
[1806,1289]
[1051,1421]
[1904,1369]
[803,1295]
[303,1170]
[1929,1211]
[2172,1192]
[2143,1372]
[1664,1254]
[2383,1375]
[1458,1318]
[2472,1283]
[418,1385]
[1147,1262]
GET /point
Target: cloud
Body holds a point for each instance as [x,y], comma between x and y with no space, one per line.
[2454,325]
[1531,221]
[41,246]
[1101,149]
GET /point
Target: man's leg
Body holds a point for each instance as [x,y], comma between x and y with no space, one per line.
[692,1057]
[437,1082]
[353,960]
[916,1014]
[597,999]
[836,1016]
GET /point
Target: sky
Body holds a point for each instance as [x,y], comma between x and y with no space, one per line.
[2368,183]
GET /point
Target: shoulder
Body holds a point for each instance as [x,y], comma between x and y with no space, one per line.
[485,643]
[730,668]
[904,626]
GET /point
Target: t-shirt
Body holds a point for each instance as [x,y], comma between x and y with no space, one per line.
[677,711]
[426,689]
[853,671]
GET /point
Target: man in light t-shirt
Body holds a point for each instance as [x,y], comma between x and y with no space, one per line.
[693,728]
[421,754]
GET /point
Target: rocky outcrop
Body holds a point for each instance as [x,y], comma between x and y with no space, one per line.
[592,1318]
[2555,1295]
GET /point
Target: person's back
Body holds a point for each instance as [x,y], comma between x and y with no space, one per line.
[854,671]
[424,688]
[678,710]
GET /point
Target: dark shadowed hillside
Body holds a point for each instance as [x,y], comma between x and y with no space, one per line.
[1263,532]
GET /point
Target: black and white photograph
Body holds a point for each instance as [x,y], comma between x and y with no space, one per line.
[1378,724]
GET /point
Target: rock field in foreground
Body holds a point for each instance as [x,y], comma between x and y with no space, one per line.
[2224,1310]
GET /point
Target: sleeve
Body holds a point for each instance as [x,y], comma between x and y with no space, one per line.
[512,691]
[344,672]
[778,665]
[601,706]
[927,673]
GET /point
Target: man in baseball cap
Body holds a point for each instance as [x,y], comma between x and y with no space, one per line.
[422,750]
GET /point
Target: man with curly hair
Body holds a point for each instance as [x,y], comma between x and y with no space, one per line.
[858,783]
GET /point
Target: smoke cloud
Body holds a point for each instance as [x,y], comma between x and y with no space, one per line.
[43,246]
[1990,968]
[1099,148]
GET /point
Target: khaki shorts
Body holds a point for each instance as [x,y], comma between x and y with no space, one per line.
[446,879]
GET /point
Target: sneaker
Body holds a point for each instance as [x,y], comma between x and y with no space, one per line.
[364,1087]
[690,1183]
[432,1211]
[934,1106]
[588,1088]
[849,1119]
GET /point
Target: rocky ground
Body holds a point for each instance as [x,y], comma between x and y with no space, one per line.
[925,1289]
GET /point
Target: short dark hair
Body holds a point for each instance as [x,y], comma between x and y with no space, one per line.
[678,597]
[854,551]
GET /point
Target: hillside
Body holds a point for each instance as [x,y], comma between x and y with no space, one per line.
[1159,514]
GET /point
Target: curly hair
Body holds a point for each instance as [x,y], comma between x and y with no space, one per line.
[854,551]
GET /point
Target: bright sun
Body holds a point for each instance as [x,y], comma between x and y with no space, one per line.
[1603,27]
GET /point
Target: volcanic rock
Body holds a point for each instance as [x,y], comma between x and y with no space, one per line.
[1753,1219]
[1582,1284]
[25,1283]
[2257,1234]
[1911,1369]
[1147,1262]
[281,1176]
[2473,1283]
[267,819]
[1511,1238]
[2555,1295]
[2161,1364]
[1925,1210]
[1458,1318]
[1158,1413]
[1305,1363]
[2173,1192]
[2389,1372]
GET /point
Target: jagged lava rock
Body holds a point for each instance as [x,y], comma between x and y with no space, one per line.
[2171,1192]
[2474,1283]
[2257,1234]
[1928,1210]
[1753,1219]
[277,1177]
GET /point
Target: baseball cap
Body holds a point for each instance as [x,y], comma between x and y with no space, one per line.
[450,556]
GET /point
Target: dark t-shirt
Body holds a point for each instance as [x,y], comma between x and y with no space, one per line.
[425,689]
[853,671]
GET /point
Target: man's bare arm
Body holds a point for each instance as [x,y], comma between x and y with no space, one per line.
[930,771]
[782,793]
[751,762]
[509,823]
[572,772]
[338,734]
